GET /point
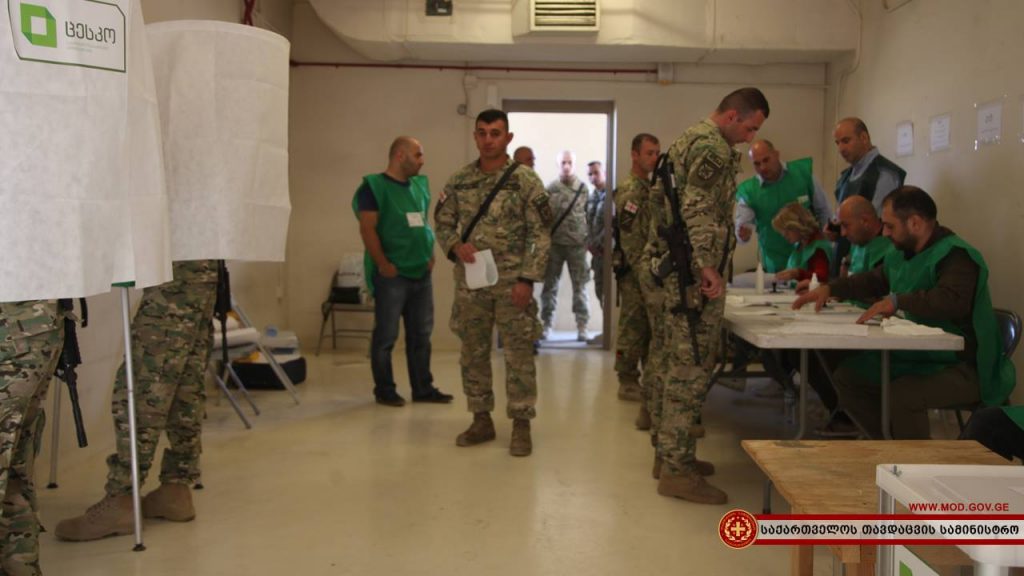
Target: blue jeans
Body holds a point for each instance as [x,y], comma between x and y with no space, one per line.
[397,298]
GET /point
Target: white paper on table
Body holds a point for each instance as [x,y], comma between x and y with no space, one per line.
[756,311]
[223,95]
[823,328]
[483,271]
[902,327]
[67,142]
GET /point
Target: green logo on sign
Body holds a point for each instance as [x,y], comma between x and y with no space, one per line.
[38,25]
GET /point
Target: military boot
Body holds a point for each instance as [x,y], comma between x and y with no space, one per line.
[521,444]
[689,485]
[170,502]
[702,467]
[108,517]
[581,332]
[630,390]
[480,431]
[643,418]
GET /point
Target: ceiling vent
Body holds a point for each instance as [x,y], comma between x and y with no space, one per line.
[537,16]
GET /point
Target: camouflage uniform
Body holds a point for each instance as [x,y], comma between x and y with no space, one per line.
[516,228]
[172,335]
[632,217]
[653,378]
[595,239]
[705,170]
[31,336]
[568,246]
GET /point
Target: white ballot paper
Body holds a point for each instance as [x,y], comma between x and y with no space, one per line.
[482,272]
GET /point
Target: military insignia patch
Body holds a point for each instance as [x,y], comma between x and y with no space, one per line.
[710,167]
[630,207]
[543,206]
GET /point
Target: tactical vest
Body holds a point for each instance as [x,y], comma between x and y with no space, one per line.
[996,374]
[795,185]
[402,225]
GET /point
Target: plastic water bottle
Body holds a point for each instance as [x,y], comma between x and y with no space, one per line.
[814,283]
[759,282]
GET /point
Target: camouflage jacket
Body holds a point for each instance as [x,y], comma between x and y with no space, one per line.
[573,230]
[596,221]
[632,214]
[23,319]
[195,270]
[705,170]
[516,227]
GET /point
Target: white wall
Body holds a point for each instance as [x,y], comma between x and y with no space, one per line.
[939,57]
[343,120]
[101,343]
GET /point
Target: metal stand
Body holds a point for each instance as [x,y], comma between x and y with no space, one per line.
[282,377]
[231,398]
[132,432]
[54,437]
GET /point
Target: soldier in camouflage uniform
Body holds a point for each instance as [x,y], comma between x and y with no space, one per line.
[569,199]
[516,228]
[632,217]
[31,336]
[596,227]
[172,335]
[705,165]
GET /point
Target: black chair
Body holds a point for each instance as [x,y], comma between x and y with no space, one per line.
[345,300]
[1009,325]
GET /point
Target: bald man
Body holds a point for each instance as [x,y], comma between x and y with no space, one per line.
[861,226]
[524,155]
[759,199]
[392,210]
[870,175]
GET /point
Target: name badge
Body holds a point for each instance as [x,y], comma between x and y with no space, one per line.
[415,219]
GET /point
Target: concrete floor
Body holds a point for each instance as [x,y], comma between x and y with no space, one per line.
[340,485]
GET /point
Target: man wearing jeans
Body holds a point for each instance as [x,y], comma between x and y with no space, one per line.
[392,211]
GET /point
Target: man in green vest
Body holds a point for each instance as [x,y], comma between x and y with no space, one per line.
[859,223]
[759,199]
[392,210]
[870,175]
[937,279]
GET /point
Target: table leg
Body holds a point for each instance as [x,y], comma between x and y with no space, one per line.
[802,429]
[802,561]
[886,432]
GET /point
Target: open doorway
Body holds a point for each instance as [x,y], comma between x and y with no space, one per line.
[587,129]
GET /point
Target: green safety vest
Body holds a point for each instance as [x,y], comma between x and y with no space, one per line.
[996,374]
[801,255]
[407,246]
[865,258]
[795,185]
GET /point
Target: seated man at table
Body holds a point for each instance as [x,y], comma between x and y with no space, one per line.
[937,279]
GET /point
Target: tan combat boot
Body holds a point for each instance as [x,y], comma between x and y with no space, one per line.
[689,485]
[170,502]
[480,431]
[521,444]
[630,390]
[643,418]
[111,516]
[703,468]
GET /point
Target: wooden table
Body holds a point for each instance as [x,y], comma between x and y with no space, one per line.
[838,477]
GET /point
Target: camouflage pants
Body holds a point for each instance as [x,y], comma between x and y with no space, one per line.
[686,383]
[474,315]
[576,258]
[26,366]
[652,380]
[597,266]
[171,341]
[634,330]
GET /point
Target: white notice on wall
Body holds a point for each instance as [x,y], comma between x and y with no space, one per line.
[939,133]
[990,123]
[905,139]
